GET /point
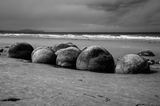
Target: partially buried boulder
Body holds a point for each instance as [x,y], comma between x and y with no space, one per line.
[63,45]
[67,57]
[146,53]
[43,55]
[20,50]
[95,58]
[132,63]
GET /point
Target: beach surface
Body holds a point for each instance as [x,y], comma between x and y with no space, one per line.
[23,83]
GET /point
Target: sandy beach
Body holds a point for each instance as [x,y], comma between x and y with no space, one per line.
[24,83]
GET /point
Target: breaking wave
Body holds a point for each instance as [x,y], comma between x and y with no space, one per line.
[84,36]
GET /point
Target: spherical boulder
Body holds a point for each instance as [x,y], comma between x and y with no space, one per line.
[146,53]
[95,58]
[67,57]
[20,50]
[132,64]
[63,45]
[43,55]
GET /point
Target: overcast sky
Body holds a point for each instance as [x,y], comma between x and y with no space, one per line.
[80,15]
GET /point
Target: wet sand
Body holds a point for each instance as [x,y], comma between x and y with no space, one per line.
[28,84]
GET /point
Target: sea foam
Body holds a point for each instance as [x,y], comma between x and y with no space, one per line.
[84,36]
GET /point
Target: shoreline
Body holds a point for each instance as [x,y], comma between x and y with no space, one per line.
[85,36]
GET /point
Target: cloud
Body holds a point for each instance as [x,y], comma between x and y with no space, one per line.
[55,15]
[129,12]
[116,6]
[80,15]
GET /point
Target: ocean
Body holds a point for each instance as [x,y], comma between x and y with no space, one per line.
[87,36]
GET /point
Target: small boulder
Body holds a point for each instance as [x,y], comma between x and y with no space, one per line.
[146,53]
[95,58]
[132,63]
[67,57]
[157,62]
[43,55]
[63,45]
[151,62]
[20,50]
[1,50]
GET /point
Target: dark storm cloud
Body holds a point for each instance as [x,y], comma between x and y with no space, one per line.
[130,12]
[81,15]
[116,6]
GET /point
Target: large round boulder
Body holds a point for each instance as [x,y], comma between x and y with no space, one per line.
[95,58]
[20,50]
[132,63]
[63,45]
[146,53]
[67,57]
[43,55]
